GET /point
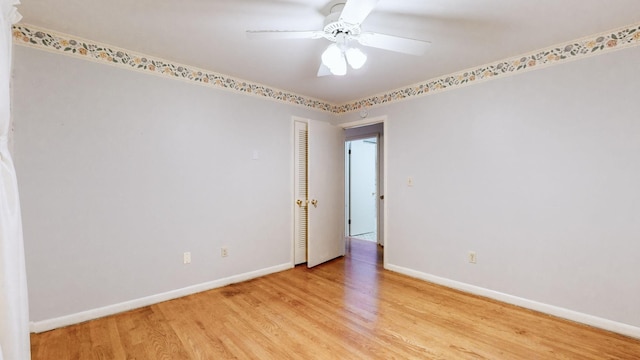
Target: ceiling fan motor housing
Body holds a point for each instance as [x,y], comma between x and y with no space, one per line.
[334,27]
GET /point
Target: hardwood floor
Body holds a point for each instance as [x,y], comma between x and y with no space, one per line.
[349,308]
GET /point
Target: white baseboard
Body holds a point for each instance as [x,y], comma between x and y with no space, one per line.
[583,318]
[50,324]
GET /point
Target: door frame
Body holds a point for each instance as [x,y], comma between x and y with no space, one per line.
[382,175]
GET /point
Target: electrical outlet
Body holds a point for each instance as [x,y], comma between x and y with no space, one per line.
[186,257]
[224,252]
[410,181]
[472,257]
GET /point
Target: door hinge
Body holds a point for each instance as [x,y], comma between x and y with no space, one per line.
[349,223]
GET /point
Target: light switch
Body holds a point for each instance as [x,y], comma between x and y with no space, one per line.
[255,155]
[410,181]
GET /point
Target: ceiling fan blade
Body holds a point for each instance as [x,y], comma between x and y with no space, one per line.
[355,11]
[393,43]
[323,70]
[277,34]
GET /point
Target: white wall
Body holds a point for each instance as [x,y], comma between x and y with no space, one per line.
[364,131]
[121,172]
[538,173]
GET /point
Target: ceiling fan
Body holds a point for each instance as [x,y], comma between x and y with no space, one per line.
[342,28]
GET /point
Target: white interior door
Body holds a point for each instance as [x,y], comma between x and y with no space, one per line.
[363,186]
[326,192]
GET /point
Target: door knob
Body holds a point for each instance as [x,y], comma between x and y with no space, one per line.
[314,202]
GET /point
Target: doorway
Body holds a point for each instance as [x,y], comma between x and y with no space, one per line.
[363,183]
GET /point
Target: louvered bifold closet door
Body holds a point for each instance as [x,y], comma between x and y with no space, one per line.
[301,139]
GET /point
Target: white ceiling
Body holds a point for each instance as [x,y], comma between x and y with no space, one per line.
[210,34]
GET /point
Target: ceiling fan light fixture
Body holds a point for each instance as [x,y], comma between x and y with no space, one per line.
[340,67]
[333,58]
[356,58]
[343,27]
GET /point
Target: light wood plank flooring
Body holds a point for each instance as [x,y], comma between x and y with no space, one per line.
[349,308]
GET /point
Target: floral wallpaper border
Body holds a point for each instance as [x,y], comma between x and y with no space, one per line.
[28,35]
[596,44]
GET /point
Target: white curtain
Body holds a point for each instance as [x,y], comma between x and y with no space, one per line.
[14,306]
